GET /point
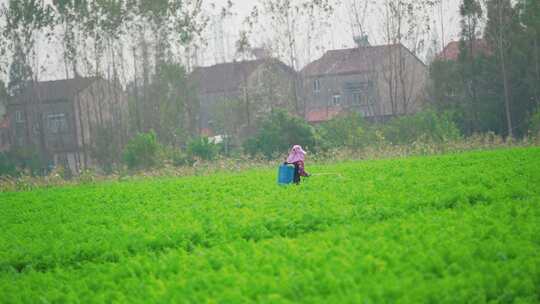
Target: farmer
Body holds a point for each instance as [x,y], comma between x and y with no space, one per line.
[296,158]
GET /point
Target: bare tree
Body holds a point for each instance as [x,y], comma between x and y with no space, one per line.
[288,19]
[358,15]
[405,28]
[441,22]
[498,29]
[471,13]
[26,22]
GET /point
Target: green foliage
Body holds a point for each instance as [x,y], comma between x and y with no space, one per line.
[352,132]
[168,105]
[278,132]
[348,131]
[142,151]
[181,159]
[450,229]
[228,116]
[534,124]
[473,86]
[106,150]
[169,87]
[18,161]
[445,88]
[427,125]
[202,147]
[21,21]
[7,165]
[176,156]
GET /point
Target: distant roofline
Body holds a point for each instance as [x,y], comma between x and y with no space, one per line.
[302,72]
[16,100]
[337,74]
[251,64]
[67,79]
[263,60]
[479,45]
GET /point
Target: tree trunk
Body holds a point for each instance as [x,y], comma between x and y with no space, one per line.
[402,80]
[506,93]
[41,130]
[292,57]
[246,103]
[504,75]
[537,65]
[81,124]
[441,14]
[473,77]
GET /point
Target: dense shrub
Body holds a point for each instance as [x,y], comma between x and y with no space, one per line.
[278,132]
[7,165]
[534,124]
[142,151]
[426,126]
[19,161]
[202,148]
[347,131]
[105,149]
[180,159]
[176,156]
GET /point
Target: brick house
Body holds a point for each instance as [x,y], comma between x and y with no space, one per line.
[4,134]
[257,85]
[318,116]
[60,118]
[376,81]
[452,50]
[4,127]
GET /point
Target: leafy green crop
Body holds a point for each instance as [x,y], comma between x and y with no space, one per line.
[447,229]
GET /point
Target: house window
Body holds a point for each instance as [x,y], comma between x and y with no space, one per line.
[57,123]
[3,138]
[336,100]
[360,99]
[316,86]
[19,117]
[35,129]
[357,98]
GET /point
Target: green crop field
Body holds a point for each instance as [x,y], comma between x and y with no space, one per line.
[447,229]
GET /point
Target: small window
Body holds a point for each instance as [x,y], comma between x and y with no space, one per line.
[19,117]
[360,99]
[357,98]
[35,129]
[316,86]
[57,123]
[336,100]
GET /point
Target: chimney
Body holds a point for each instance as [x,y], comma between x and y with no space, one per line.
[259,53]
[361,41]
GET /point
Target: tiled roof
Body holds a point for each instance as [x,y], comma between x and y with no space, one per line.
[228,77]
[4,122]
[206,132]
[452,50]
[322,115]
[54,90]
[349,61]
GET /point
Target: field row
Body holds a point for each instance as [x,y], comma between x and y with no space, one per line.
[425,229]
[471,254]
[49,228]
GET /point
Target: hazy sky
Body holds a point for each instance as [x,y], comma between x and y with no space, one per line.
[221,47]
[340,35]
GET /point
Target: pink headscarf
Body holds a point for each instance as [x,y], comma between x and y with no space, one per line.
[296,154]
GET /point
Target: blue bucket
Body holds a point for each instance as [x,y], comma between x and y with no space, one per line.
[285,174]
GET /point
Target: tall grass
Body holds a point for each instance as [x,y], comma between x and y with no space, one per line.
[382,150]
